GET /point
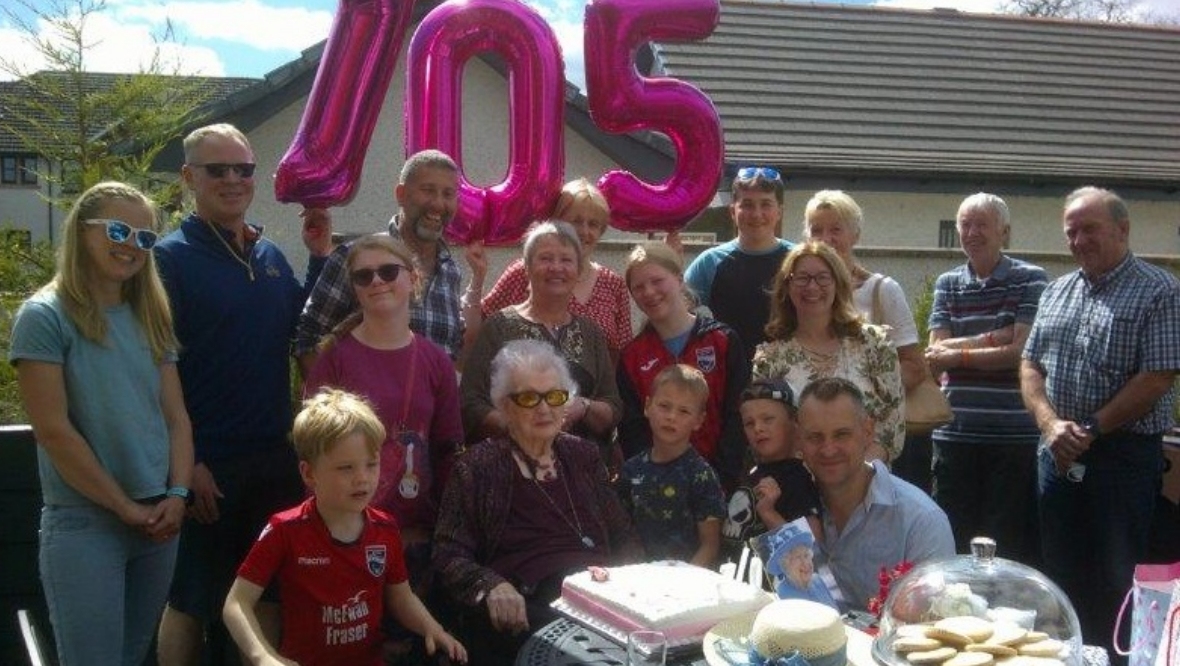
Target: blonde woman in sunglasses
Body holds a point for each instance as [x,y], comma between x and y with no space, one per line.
[95,358]
[410,382]
[525,508]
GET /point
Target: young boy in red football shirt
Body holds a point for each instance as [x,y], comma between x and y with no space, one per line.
[338,561]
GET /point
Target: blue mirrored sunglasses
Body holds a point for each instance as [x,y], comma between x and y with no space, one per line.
[119,231]
[751,173]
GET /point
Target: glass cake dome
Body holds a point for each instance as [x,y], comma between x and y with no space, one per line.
[977,603]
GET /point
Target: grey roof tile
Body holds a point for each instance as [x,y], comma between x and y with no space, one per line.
[849,89]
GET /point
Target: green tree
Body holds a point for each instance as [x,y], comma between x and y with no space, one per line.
[89,127]
[1109,11]
[86,128]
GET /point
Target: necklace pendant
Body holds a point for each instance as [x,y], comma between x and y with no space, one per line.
[587,542]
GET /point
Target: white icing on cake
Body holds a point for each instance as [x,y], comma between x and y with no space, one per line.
[678,599]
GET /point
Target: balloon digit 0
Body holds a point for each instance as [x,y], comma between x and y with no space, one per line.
[621,101]
[446,39]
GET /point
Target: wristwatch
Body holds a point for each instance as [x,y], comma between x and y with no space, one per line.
[1090,425]
[181,492]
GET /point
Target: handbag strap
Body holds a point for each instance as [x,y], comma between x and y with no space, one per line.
[1118,625]
[878,315]
[1170,632]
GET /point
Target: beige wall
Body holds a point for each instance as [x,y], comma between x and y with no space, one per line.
[484,159]
[23,207]
[911,220]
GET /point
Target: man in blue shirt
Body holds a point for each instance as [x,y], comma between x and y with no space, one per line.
[235,301]
[1097,374]
[985,467]
[733,279]
[871,519]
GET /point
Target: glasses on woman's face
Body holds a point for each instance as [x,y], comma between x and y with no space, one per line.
[120,232]
[530,399]
[220,169]
[765,173]
[804,279]
[363,277]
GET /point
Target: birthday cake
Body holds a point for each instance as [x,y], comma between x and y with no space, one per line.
[681,600]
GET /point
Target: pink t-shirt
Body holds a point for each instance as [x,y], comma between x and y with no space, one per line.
[609,305]
[414,391]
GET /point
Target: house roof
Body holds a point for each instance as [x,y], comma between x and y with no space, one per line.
[211,88]
[851,90]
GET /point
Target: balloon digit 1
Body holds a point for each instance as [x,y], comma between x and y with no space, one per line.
[322,166]
[445,40]
[621,101]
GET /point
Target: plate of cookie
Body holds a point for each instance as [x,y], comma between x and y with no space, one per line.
[977,610]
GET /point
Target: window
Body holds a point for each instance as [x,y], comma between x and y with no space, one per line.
[18,169]
[948,235]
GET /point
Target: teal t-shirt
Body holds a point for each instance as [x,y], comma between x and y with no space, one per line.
[112,396]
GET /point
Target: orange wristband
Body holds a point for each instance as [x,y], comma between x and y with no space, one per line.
[963,357]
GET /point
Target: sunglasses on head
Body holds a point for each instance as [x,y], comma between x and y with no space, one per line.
[363,277]
[219,169]
[530,399]
[753,173]
[119,231]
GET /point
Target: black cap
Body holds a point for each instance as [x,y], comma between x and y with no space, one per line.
[769,389]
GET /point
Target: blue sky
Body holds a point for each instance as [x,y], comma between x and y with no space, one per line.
[252,37]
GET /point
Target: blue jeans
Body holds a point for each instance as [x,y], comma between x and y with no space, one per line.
[105,584]
[1094,531]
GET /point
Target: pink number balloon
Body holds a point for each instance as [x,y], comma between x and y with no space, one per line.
[621,100]
[323,165]
[445,40]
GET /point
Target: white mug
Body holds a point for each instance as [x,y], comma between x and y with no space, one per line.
[646,648]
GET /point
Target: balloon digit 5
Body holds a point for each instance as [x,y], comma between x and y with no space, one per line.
[621,101]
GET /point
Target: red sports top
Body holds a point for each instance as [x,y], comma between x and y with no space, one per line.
[333,593]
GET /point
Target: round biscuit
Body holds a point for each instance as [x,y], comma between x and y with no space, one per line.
[1007,633]
[948,637]
[1034,637]
[907,644]
[970,659]
[1046,648]
[975,628]
[936,656]
[994,649]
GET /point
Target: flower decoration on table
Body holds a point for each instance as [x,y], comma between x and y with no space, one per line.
[886,578]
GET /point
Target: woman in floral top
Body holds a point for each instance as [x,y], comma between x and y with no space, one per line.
[815,331]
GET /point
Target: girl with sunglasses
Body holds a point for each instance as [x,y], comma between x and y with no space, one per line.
[408,379]
[95,358]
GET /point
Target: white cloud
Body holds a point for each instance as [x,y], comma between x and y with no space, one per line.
[111,45]
[249,22]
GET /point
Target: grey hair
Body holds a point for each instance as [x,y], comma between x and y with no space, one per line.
[426,159]
[1114,203]
[829,389]
[531,356]
[562,231]
[197,137]
[988,202]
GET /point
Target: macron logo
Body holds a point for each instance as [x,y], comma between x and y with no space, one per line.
[314,561]
[647,366]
